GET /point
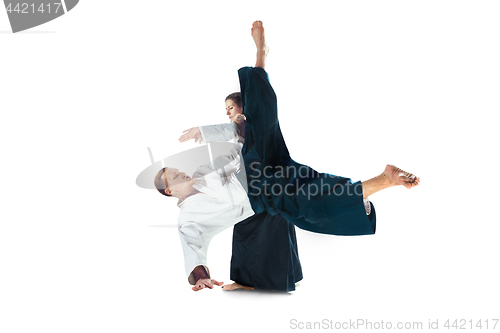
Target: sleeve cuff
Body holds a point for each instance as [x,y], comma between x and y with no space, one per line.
[191,276]
[203,139]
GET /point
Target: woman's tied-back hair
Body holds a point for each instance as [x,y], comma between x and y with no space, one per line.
[161,184]
[235,97]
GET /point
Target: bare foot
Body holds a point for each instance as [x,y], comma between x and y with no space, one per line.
[259,36]
[396,176]
[260,42]
[234,286]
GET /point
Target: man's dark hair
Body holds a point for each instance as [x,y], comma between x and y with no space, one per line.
[235,97]
[160,184]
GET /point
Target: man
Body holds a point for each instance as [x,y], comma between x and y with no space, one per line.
[210,201]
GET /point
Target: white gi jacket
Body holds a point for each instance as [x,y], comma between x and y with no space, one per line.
[221,203]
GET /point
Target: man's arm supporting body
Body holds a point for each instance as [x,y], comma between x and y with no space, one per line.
[221,203]
[202,217]
[202,278]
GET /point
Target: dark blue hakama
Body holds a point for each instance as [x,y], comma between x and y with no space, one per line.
[312,201]
[265,254]
[281,191]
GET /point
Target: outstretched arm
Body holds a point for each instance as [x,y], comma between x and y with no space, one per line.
[192,133]
[215,133]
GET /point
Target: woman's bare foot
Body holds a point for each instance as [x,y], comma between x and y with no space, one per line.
[396,176]
[234,286]
[258,36]
[392,176]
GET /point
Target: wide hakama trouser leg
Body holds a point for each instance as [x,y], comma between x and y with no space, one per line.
[313,201]
[265,254]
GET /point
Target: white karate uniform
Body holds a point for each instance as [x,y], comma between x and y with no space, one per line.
[222,132]
[221,203]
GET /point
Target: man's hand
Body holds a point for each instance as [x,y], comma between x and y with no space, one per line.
[192,133]
[240,121]
[209,283]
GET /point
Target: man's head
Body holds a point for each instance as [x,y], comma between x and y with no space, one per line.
[172,182]
[233,105]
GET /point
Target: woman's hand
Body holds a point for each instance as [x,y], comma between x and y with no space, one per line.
[192,133]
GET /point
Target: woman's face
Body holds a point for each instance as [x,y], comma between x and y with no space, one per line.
[232,109]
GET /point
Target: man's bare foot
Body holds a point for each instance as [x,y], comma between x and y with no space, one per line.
[234,286]
[396,176]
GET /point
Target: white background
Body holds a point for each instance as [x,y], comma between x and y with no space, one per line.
[360,84]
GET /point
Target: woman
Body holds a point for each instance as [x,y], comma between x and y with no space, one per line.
[310,200]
